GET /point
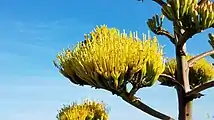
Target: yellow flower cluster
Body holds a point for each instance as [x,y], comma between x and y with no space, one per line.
[201,72]
[107,57]
[89,110]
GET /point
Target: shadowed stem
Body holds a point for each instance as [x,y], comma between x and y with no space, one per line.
[167,34]
[140,105]
[172,79]
[185,108]
[200,88]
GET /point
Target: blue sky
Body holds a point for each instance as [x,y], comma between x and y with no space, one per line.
[32,32]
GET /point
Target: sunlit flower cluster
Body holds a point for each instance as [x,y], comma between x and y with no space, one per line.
[88,110]
[109,59]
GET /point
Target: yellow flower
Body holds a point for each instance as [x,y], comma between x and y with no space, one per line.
[88,110]
[109,59]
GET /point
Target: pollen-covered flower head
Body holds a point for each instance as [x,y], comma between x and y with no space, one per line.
[88,110]
[109,59]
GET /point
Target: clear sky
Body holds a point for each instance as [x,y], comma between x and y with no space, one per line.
[32,32]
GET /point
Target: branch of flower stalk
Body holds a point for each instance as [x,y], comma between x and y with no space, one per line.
[193,96]
[167,34]
[172,79]
[140,105]
[185,36]
[133,90]
[160,2]
[200,88]
[198,57]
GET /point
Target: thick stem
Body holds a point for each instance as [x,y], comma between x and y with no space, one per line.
[140,105]
[185,107]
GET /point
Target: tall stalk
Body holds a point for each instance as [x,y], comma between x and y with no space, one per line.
[185,107]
